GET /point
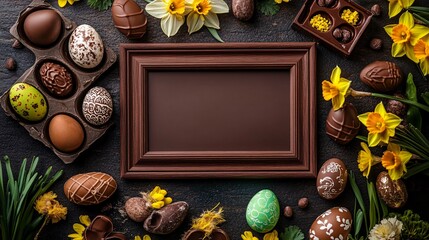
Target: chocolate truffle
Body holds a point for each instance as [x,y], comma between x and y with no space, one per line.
[57,80]
[129,18]
[342,125]
[383,76]
[43,27]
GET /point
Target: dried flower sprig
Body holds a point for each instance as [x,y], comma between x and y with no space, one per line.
[47,206]
[208,221]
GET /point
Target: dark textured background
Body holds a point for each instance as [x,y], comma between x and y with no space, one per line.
[202,194]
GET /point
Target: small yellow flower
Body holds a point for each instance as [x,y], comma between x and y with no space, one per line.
[271,236]
[405,35]
[79,228]
[421,51]
[145,237]
[320,23]
[366,160]
[204,13]
[57,213]
[62,3]
[336,89]
[396,6]
[395,160]
[158,199]
[352,17]
[171,12]
[280,1]
[247,235]
[45,202]
[380,125]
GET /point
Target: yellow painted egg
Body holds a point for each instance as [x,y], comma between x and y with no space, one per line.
[28,102]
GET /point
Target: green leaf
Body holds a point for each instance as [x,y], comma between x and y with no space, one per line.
[214,33]
[358,197]
[414,117]
[292,233]
[421,18]
[411,91]
[100,5]
[425,97]
[268,7]
[358,222]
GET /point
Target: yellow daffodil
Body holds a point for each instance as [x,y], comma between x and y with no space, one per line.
[62,3]
[158,199]
[79,228]
[380,125]
[405,35]
[145,237]
[271,236]
[171,12]
[395,160]
[47,205]
[336,89]
[366,160]
[204,13]
[247,235]
[421,51]
[396,6]
[280,1]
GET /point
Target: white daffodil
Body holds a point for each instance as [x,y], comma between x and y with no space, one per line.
[171,12]
[204,13]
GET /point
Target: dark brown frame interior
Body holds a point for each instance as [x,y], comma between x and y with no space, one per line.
[138,162]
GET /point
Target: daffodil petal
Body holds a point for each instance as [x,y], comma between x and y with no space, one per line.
[219,6]
[170,25]
[380,109]
[71,2]
[156,9]
[335,75]
[137,238]
[85,220]
[424,66]
[373,139]
[146,237]
[394,8]
[418,32]
[389,29]
[394,175]
[405,156]
[407,19]
[211,20]
[393,147]
[392,121]
[338,101]
[363,117]
[398,49]
[194,22]
[343,86]
[407,3]
[62,3]
[79,228]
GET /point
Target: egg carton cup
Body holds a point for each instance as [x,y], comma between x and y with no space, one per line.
[333,14]
[82,80]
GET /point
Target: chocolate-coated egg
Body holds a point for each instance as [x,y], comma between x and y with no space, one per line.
[28,102]
[263,211]
[86,47]
[331,179]
[66,133]
[334,223]
[343,124]
[56,78]
[383,76]
[167,219]
[392,192]
[43,27]
[97,106]
[90,188]
[129,18]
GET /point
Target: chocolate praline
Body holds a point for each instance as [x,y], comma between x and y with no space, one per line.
[57,80]
[43,27]
[343,124]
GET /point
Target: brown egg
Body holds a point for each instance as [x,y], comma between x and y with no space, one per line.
[383,76]
[343,125]
[129,18]
[331,179]
[393,193]
[43,27]
[334,223]
[90,188]
[66,133]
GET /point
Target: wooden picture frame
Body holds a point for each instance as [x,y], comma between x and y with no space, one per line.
[232,110]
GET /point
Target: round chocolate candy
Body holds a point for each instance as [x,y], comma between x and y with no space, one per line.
[393,192]
[343,125]
[129,18]
[97,106]
[43,27]
[383,76]
[57,80]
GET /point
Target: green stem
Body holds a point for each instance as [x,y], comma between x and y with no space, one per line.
[41,228]
[355,93]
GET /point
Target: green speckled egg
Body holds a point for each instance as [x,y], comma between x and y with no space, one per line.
[28,102]
[263,211]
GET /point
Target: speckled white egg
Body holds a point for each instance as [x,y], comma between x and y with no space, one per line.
[97,106]
[86,47]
